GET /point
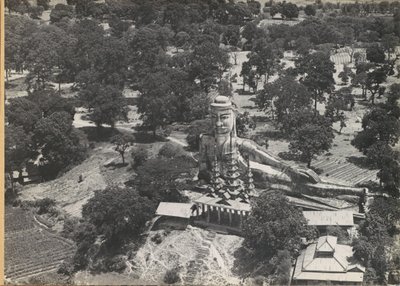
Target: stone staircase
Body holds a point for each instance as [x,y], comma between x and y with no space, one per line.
[203,250]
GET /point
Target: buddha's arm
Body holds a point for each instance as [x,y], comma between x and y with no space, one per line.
[259,154]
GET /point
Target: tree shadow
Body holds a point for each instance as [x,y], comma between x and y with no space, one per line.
[289,156]
[144,137]
[241,92]
[361,162]
[99,134]
[247,265]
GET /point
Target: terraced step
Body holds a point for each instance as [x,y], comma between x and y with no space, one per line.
[37,269]
[58,255]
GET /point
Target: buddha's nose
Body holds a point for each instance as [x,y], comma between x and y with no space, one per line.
[219,123]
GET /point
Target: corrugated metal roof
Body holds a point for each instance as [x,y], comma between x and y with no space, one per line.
[327,218]
[174,209]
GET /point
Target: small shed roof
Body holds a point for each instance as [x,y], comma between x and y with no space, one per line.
[182,210]
[327,218]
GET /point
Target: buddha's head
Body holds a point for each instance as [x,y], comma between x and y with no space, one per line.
[222,116]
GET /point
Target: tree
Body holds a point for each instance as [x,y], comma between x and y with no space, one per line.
[106,104]
[374,79]
[338,102]
[182,39]
[378,125]
[18,147]
[363,249]
[118,214]
[310,10]
[18,31]
[389,42]
[23,112]
[175,99]
[265,58]
[360,78]
[283,96]
[290,10]
[49,102]
[312,138]
[160,179]
[44,3]
[61,11]
[45,55]
[375,54]
[58,143]
[207,63]
[317,70]
[122,143]
[273,224]
[345,74]
[232,35]
[19,6]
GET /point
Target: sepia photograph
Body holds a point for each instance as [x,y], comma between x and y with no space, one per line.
[201,142]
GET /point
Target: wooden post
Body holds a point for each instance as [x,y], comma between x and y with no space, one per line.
[230,216]
[219,215]
[197,211]
[202,210]
[208,213]
[241,217]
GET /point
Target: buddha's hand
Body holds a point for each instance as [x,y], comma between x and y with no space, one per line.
[306,175]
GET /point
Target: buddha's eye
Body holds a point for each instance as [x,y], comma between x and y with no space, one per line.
[225,117]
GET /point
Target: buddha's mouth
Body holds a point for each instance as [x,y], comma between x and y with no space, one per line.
[220,130]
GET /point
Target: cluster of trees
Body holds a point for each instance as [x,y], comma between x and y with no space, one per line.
[41,125]
[381,132]
[376,237]
[289,101]
[367,8]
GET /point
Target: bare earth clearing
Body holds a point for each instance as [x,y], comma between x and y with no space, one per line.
[202,257]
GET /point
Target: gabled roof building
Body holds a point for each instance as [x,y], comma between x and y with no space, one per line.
[327,261]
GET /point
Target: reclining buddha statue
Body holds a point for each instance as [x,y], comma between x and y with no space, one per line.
[223,144]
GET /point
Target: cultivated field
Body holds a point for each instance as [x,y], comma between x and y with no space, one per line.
[29,248]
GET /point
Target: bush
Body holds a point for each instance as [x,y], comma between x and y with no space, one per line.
[45,205]
[116,263]
[339,232]
[157,238]
[139,155]
[172,276]
[66,268]
[170,150]
[70,225]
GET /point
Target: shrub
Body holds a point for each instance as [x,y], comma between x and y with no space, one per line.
[170,150]
[116,263]
[172,276]
[45,205]
[66,268]
[139,155]
[339,232]
[157,238]
[69,227]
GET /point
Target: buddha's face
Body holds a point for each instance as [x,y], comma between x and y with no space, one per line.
[222,121]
